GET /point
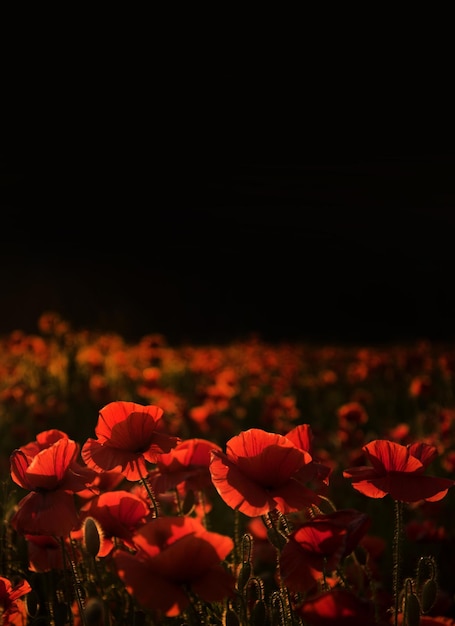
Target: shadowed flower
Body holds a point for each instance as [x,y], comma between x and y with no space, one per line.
[263,471]
[12,608]
[128,436]
[187,463]
[319,546]
[52,476]
[44,553]
[119,513]
[398,470]
[174,555]
[338,607]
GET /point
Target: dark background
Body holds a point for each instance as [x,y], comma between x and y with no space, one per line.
[214,247]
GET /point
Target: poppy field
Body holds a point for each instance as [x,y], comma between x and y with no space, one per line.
[238,484]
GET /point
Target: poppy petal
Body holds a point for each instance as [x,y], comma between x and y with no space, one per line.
[237,490]
[152,590]
[46,513]
[104,458]
[387,456]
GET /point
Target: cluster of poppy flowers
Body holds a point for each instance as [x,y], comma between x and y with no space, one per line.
[139,500]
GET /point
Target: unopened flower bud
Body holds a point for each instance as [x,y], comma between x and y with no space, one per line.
[244,575]
[429,593]
[94,612]
[411,610]
[259,613]
[92,534]
[231,618]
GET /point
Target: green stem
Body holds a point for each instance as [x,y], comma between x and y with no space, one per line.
[397,541]
[151,495]
[69,558]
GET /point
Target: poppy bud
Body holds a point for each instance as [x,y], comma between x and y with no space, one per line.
[32,603]
[428,595]
[411,610]
[259,613]
[244,574]
[94,612]
[92,534]
[231,618]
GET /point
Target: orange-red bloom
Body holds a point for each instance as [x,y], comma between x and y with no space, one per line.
[320,545]
[398,470]
[12,609]
[188,463]
[43,440]
[128,436]
[175,554]
[52,476]
[119,514]
[263,471]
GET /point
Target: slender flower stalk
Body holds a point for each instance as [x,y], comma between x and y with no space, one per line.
[77,587]
[397,545]
[146,484]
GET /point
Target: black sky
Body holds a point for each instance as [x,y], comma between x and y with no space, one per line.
[213,248]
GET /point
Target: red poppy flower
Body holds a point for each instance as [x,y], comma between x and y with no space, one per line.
[128,435]
[187,463]
[12,609]
[119,514]
[53,476]
[175,554]
[263,471]
[302,437]
[398,470]
[338,607]
[43,440]
[320,545]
